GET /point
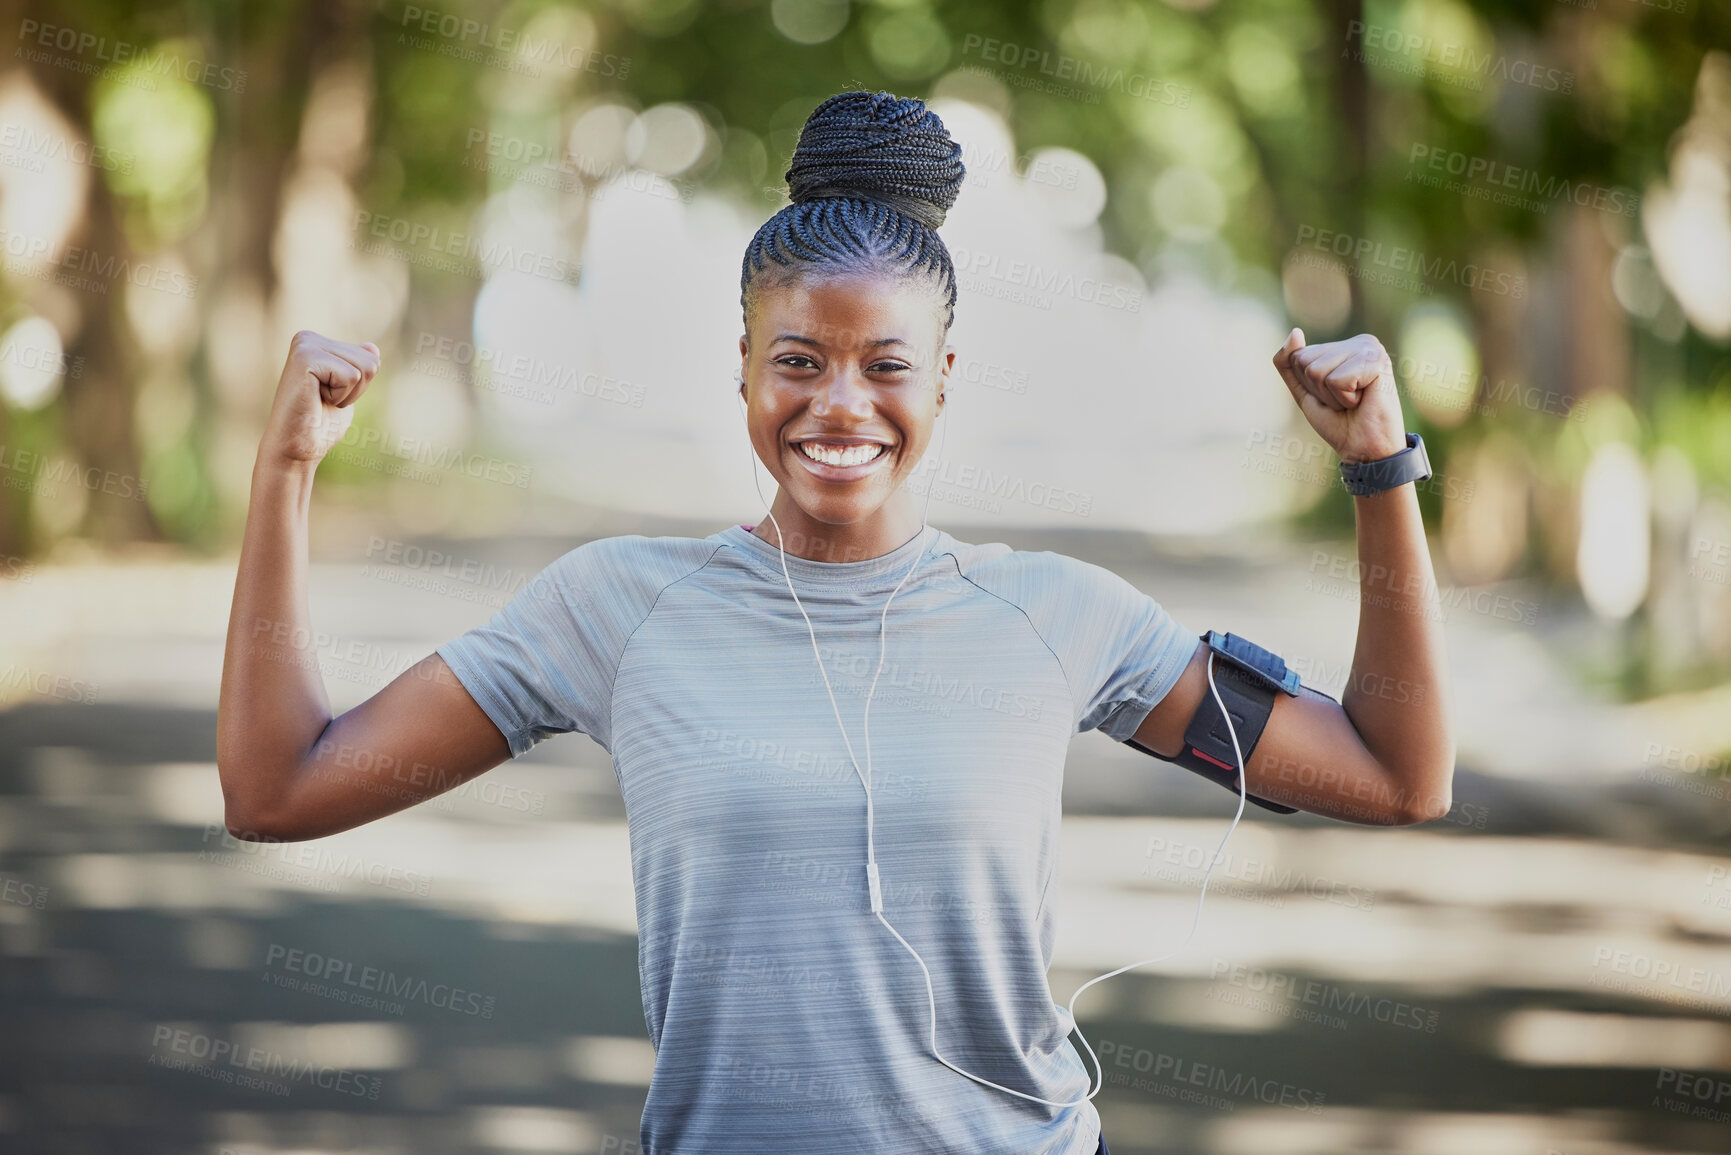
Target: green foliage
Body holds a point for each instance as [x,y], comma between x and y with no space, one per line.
[1289,115]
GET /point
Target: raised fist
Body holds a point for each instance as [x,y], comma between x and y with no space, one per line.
[315,397]
[1346,390]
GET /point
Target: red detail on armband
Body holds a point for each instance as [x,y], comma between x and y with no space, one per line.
[1209,758]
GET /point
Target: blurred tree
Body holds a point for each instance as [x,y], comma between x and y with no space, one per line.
[1298,117]
[250,63]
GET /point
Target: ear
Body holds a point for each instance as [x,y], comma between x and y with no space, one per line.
[946,366]
[744,352]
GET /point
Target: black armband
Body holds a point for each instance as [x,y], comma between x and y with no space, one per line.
[1249,678]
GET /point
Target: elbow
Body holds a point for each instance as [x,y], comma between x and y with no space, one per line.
[1426,809]
[251,828]
[248,826]
[1421,806]
[247,821]
[242,831]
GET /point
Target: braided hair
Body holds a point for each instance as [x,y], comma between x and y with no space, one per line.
[870,181]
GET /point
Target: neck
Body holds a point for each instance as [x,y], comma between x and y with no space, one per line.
[891,526]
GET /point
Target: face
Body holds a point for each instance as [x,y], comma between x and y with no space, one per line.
[843,376]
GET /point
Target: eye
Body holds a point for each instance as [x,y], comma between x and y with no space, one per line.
[887,367]
[790,359]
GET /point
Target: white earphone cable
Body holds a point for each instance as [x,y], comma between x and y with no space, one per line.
[873,880]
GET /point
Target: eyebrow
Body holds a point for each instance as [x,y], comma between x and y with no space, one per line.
[881,341]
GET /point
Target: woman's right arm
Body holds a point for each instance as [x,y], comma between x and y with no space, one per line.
[289,770]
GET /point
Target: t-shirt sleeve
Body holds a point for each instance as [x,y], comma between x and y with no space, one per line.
[1126,653]
[545,663]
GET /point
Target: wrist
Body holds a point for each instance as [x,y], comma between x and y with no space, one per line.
[270,467]
[1375,452]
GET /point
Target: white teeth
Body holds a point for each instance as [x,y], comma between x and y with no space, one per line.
[851,455]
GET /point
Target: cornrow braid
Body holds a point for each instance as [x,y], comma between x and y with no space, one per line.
[871,180]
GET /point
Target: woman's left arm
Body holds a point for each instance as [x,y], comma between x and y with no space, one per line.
[1384,755]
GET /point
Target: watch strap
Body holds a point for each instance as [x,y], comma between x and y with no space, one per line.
[1363,478]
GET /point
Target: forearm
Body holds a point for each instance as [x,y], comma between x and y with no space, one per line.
[1397,697]
[273,705]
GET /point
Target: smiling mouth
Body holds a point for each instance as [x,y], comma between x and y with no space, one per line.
[837,455]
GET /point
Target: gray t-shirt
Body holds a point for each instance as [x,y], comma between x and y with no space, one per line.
[785,1017]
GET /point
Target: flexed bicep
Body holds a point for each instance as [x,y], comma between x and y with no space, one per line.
[419,736]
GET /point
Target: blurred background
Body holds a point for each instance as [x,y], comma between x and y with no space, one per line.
[537,211]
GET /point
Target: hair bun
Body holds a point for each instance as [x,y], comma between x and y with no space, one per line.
[877,147]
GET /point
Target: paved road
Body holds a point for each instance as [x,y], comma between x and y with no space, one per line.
[1544,970]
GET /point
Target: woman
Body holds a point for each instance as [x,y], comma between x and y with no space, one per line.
[784,1017]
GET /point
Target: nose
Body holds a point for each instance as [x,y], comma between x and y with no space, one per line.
[844,392]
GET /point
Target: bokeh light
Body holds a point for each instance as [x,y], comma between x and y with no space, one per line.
[1613,560]
[32,363]
[1438,362]
[809,21]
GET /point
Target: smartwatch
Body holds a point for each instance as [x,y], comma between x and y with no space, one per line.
[1364,478]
